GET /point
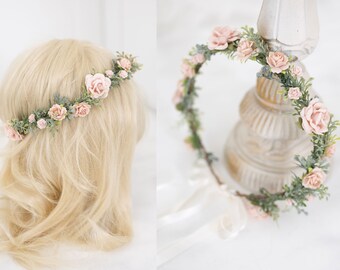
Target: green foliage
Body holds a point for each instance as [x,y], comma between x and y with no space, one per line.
[260,44]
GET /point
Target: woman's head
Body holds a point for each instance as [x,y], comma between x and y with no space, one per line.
[71,184]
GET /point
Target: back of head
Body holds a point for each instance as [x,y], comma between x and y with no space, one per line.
[70,185]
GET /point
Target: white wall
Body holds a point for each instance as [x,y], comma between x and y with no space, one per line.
[128,25]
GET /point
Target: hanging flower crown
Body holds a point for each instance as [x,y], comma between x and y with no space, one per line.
[313,116]
[96,87]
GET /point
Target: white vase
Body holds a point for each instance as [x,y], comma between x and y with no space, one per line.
[261,148]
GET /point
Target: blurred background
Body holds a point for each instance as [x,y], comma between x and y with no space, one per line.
[118,25]
[113,24]
[295,241]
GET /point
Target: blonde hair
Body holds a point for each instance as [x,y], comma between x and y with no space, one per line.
[72,185]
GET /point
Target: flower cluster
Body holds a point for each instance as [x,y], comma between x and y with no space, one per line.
[314,117]
[97,87]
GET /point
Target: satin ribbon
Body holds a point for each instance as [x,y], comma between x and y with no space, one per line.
[226,225]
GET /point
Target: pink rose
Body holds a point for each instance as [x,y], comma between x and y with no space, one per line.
[315,117]
[278,61]
[330,151]
[245,49]
[188,143]
[294,93]
[57,112]
[177,98]
[97,85]
[12,134]
[255,211]
[296,70]
[314,179]
[31,118]
[289,202]
[187,70]
[123,74]
[109,73]
[221,36]
[124,63]
[198,59]
[82,109]
[41,123]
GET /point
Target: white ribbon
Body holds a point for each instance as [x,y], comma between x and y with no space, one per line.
[226,225]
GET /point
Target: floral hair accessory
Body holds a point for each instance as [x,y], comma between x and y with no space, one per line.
[96,87]
[314,117]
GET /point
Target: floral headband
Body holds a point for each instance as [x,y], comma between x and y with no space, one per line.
[96,88]
[314,117]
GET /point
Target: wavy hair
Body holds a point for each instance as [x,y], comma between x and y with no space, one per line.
[71,185]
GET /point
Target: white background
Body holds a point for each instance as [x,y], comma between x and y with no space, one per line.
[128,25]
[295,241]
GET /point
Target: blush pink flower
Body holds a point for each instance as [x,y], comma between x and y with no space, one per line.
[315,117]
[12,134]
[245,49]
[31,118]
[294,93]
[82,109]
[330,151]
[124,63]
[277,61]
[97,85]
[41,124]
[289,202]
[197,59]
[255,211]
[187,70]
[188,143]
[221,36]
[57,112]
[123,74]
[296,70]
[177,98]
[314,179]
[109,73]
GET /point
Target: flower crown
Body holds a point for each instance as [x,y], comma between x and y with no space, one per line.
[95,88]
[314,117]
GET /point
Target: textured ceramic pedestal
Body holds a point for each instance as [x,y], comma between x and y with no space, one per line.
[260,150]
